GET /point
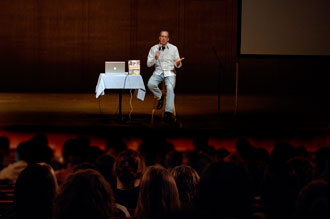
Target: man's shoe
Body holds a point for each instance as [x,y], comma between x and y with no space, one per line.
[160,102]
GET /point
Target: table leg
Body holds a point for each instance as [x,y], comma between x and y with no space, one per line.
[120,115]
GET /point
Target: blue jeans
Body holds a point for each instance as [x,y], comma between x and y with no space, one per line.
[153,83]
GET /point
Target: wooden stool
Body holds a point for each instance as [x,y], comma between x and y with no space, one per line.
[154,107]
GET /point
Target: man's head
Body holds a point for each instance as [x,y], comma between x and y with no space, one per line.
[163,37]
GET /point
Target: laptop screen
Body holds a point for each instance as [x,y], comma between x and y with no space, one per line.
[114,67]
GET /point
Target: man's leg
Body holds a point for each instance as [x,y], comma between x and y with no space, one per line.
[153,85]
[170,85]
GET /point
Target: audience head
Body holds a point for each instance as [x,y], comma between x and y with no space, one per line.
[282,152]
[4,149]
[93,153]
[23,152]
[199,162]
[115,144]
[262,155]
[85,195]
[104,165]
[39,149]
[4,145]
[222,153]
[322,163]
[302,169]
[186,179]
[301,151]
[224,191]
[201,142]
[154,149]
[245,150]
[128,167]
[35,150]
[35,192]
[76,150]
[159,197]
[313,201]
[173,159]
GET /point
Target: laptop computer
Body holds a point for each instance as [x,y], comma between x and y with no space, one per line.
[114,67]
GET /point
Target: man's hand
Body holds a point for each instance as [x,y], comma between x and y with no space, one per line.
[178,60]
[157,54]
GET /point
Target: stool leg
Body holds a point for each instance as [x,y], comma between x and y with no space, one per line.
[152,116]
[174,111]
[164,104]
[153,110]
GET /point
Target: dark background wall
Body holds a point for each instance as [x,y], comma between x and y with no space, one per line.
[62,45]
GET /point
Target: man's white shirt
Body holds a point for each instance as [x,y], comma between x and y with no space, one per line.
[166,61]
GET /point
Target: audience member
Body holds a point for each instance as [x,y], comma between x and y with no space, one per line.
[4,150]
[186,179]
[35,192]
[104,165]
[201,143]
[224,191]
[114,145]
[301,151]
[247,184]
[302,169]
[39,149]
[154,149]
[322,163]
[86,195]
[313,201]
[159,197]
[172,159]
[258,167]
[245,150]
[198,161]
[279,188]
[74,152]
[12,171]
[93,153]
[128,168]
[221,154]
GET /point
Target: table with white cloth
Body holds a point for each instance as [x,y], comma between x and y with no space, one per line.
[120,81]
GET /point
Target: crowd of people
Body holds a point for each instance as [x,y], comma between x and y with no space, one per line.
[158,182]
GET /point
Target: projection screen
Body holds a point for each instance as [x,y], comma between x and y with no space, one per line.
[285,27]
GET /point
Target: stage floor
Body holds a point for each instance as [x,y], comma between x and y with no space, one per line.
[259,116]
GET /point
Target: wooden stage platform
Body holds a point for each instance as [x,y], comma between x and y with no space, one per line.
[267,117]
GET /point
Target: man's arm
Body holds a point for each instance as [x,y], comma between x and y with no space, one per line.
[151,58]
[178,60]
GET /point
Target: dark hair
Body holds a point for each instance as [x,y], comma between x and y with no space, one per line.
[159,197]
[35,192]
[39,149]
[186,179]
[313,201]
[224,191]
[128,167]
[173,158]
[84,194]
[4,149]
[104,165]
[4,144]
[75,151]
[302,169]
[322,163]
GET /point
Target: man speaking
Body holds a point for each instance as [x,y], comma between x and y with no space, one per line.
[165,57]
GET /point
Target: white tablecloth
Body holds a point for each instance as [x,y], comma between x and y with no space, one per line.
[120,81]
